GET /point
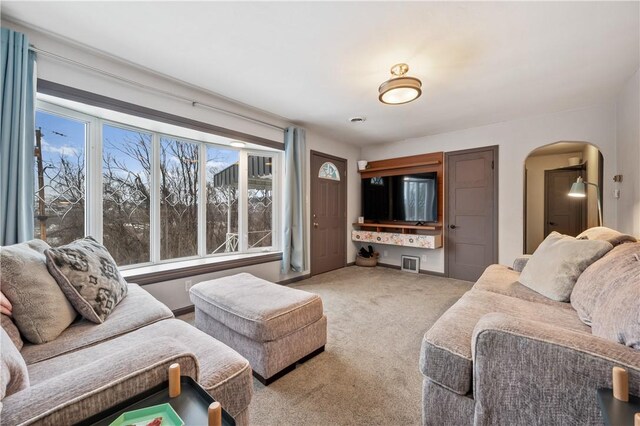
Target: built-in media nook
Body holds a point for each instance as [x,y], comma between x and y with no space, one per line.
[402,202]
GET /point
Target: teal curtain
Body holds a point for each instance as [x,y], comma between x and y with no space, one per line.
[17,128]
[295,245]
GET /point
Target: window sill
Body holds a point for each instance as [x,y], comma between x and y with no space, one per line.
[172,271]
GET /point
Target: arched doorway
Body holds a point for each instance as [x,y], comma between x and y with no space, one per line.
[550,172]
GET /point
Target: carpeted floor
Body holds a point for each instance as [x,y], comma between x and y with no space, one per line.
[368,374]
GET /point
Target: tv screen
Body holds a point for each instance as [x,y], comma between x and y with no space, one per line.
[406,198]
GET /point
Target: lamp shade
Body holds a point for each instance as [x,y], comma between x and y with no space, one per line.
[578,189]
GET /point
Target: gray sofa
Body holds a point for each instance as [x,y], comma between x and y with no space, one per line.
[506,355]
[91,367]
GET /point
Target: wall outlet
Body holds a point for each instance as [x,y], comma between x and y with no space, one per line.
[616,193]
[187,285]
[423,258]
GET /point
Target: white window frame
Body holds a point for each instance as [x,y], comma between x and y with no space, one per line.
[93,214]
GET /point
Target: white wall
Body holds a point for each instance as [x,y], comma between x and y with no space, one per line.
[535,193]
[516,139]
[172,292]
[628,147]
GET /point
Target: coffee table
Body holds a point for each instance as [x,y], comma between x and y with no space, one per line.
[191,405]
[617,413]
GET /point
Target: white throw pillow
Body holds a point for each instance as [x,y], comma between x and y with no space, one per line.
[558,262]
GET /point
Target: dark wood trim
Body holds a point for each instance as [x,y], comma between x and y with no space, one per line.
[344,200]
[70,93]
[189,271]
[183,311]
[294,279]
[496,187]
[422,271]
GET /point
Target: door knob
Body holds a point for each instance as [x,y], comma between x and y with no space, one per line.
[452,226]
[315,224]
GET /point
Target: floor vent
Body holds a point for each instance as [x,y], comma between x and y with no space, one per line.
[410,264]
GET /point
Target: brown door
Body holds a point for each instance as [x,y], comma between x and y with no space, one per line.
[472,213]
[328,213]
[564,214]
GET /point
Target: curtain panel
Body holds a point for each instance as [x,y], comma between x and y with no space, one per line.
[295,244]
[17,138]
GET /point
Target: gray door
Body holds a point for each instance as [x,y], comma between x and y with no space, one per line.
[471,242]
[564,214]
[328,213]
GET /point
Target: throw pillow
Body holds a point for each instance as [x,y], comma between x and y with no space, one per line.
[40,309]
[602,278]
[88,276]
[606,234]
[558,262]
[12,331]
[617,315]
[14,376]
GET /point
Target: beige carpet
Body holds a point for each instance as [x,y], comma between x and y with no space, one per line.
[368,374]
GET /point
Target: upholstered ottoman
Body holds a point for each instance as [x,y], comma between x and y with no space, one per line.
[273,326]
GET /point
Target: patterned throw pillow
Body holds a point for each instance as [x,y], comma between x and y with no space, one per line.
[88,276]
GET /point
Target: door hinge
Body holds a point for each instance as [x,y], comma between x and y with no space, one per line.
[492,164]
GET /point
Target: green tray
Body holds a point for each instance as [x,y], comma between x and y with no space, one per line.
[144,416]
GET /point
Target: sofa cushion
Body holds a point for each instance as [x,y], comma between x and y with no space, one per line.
[558,262]
[258,309]
[138,309]
[40,309]
[12,331]
[502,280]
[88,276]
[606,234]
[14,376]
[617,312]
[603,277]
[223,372]
[446,356]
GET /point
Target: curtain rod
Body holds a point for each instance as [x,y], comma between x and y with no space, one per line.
[153,89]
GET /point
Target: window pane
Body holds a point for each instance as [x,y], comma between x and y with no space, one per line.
[260,197]
[178,198]
[222,200]
[59,178]
[126,205]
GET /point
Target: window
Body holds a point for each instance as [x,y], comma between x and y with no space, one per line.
[126,194]
[260,200]
[59,178]
[178,198]
[150,192]
[329,171]
[222,200]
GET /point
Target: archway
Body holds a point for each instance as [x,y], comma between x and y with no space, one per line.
[549,172]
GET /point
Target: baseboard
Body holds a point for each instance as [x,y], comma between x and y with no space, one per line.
[422,271]
[351,263]
[294,279]
[183,311]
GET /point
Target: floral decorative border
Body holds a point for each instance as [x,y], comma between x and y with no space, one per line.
[391,238]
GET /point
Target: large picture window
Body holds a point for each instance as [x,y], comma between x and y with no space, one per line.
[147,195]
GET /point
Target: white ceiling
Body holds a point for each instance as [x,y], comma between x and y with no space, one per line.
[321,63]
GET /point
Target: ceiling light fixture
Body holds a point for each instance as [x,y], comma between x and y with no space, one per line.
[400,88]
[237,144]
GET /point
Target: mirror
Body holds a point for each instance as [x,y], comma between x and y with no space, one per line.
[549,173]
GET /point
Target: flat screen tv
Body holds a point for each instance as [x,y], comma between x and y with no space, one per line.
[406,198]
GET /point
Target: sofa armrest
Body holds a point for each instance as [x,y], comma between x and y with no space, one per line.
[530,372]
[521,262]
[81,392]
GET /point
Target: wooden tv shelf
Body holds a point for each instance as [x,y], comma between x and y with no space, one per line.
[400,166]
[405,229]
